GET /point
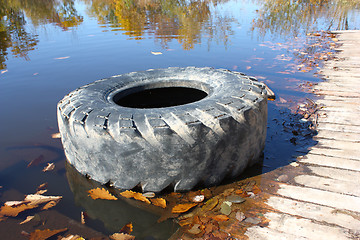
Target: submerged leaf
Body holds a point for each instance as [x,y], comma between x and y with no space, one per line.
[101,193]
[181,208]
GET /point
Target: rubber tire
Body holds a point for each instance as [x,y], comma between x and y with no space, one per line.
[199,142]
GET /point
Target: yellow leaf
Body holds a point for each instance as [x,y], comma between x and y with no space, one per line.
[13,211]
[160,202]
[220,218]
[49,167]
[55,135]
[101,193]
[44,234]
[122,236]
[28,219]
[135,195]
[49,205]
[156,53]
[128,228]
[181,208]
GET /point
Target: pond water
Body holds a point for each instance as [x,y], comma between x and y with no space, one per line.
[49,48]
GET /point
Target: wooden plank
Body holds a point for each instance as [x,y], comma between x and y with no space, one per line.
[329,184]
[322,197]
[340,153]
[335,173]
[339,127]
[331,162]
[315,212]
[263,233]
[305,228]
[341,136]
[338,144]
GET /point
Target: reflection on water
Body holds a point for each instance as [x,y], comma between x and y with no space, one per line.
[14,14]
[186,21]
[189,22]
[291,17]
[115,214]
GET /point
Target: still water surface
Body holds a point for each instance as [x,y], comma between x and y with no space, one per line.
[49,48]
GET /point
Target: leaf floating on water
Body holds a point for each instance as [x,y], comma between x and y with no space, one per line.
[149,194]
[45,234]
[135,195]
[127,229]
[82,217]
[55,135]
[160,202]
[122,236]
[181,208]
[28,219]
[49,167]
[61,58]
[42,186]
[49,205]
[248,67]
[36,161]
[101,193]
[4,71]
[13,211]
[72,237]
[40,192]
[36,199]
[156,53]
[282,100]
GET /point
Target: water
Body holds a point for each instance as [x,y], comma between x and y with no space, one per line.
[49,48]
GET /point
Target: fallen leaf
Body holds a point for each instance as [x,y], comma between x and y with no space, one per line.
[42,186]
[13,211]
[72,237]
[149,194]
[135,195]
[256,189]
[127,229]
[45,234]
[198,198]
[210,204]
[160,202]
[49,167]
[28,219]
[13,203]
[82,217]
[49,205]
[36,199]
[186,221]
[40,192]
[283,72]
[36,161]
[101,193]
[335,39]
[248,67]
[240,216]
[220,218]
[61,58]
[195,229]
[2,218]
[181,208]
[226,208]
[4,71]
[55,135]
[156,53]
[121,236]
[282,100]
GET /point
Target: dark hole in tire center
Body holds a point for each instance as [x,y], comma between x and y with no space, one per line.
[159,97]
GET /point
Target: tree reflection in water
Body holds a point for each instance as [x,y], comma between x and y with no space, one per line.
[13,34]
[186,21]
[292,17]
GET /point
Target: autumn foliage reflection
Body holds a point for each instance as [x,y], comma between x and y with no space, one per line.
[289,17]
[186,21]
[14,37]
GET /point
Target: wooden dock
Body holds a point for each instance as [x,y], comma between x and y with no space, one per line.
[322,199]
